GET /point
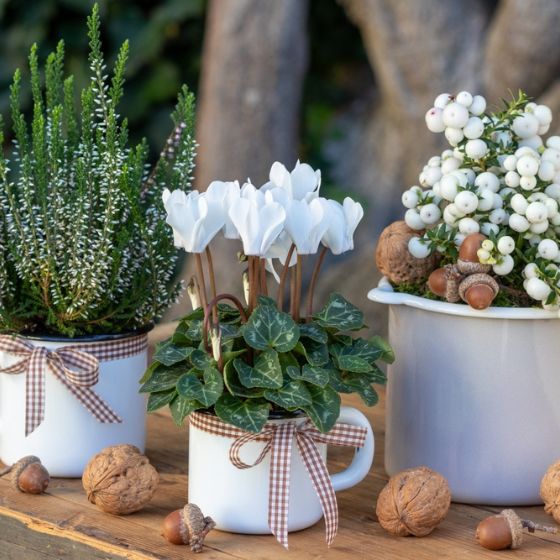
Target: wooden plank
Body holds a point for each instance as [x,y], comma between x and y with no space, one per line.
[64,516]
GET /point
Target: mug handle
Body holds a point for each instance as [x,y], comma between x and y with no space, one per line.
[363,456]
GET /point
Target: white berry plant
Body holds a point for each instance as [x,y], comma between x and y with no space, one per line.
[499,178]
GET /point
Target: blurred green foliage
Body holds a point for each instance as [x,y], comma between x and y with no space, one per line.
[165,38]
[165,51]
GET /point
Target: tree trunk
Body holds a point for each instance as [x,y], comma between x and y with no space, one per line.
[254,61]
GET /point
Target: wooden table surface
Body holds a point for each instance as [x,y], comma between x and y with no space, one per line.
[63,525]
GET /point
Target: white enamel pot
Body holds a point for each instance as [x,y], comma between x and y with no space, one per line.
[70,435]
[237,499]
[474,395]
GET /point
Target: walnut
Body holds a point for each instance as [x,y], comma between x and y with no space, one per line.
[413,502]
[550,491]
[187,526]
[120,480]
[395,261]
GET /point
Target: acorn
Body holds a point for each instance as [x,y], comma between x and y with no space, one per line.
[28,475]
[468,262]
[478,290]
[505,530]
[187,526]
[444,282]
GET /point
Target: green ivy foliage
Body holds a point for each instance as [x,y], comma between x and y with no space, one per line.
[270,364]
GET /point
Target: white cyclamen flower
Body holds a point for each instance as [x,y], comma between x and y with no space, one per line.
[258,221]
[302,183]
[306,224]
[225,193]
[194,218]
[343,221]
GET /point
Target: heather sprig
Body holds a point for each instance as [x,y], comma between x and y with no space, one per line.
[84,247]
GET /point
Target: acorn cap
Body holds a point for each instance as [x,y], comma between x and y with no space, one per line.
[475,279]
[470,267]
[454,279]
[19,467]
[515,526]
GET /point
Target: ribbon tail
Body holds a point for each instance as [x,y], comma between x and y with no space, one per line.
[279,488]
[88,397]
[321,480]
[35,390]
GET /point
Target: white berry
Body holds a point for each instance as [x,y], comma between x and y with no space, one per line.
[553,190]
[546,171]
[430,213]
[456,115]
[468,226]
[512,179]
[539,227]
[527,166]
[543,114]
[510,163]
[476,149]
[442,100]
[519,203]
[525,125]
[528,183]
[478,105]
[536,212]
[498,216]
[434,120]
[413,219]
[548,249]
[448,187]
[474,128]
[538,289]
[553,142]
[486,201]
[518,223]
[530,271]
[506,245]
[417,248]
[505,266]
[488,228]
[464,98]
[466,201]
[454,135]
[487,180]
[410,199]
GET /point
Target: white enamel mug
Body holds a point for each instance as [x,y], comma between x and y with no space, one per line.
[237,499]
[70,435]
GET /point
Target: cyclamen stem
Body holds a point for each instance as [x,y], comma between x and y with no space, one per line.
[280,297]
[264,287]
[202,282]
[314,277]
[293,290]
[297,304]
[212,283]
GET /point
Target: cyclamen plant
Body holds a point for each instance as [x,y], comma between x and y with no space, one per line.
[246,361]
[500,179]
[84,246]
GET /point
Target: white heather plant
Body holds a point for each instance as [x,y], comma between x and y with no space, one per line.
[499,178]
[84,248]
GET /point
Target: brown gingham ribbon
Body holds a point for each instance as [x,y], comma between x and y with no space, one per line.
[76,367]
[279,439]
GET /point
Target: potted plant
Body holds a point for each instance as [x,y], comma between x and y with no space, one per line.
[85,263]
[473,391]
[260,384]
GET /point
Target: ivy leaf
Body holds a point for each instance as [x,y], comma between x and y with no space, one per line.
[315,353]
[314,375]
[265,300]
[269,328]
[234,386]
[314,332]
[160,399]
[248,414]
[293,395]
[163,379]
[149,371]
[340,314]
[324,409]
[181,407]
[265,373]
[192,387]
[201,360]
[388,355]
[168,354]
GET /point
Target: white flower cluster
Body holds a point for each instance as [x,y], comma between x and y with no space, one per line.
[284,211]
[499,179]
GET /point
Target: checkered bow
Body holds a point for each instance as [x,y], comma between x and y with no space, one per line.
[278,440]
[76,367]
